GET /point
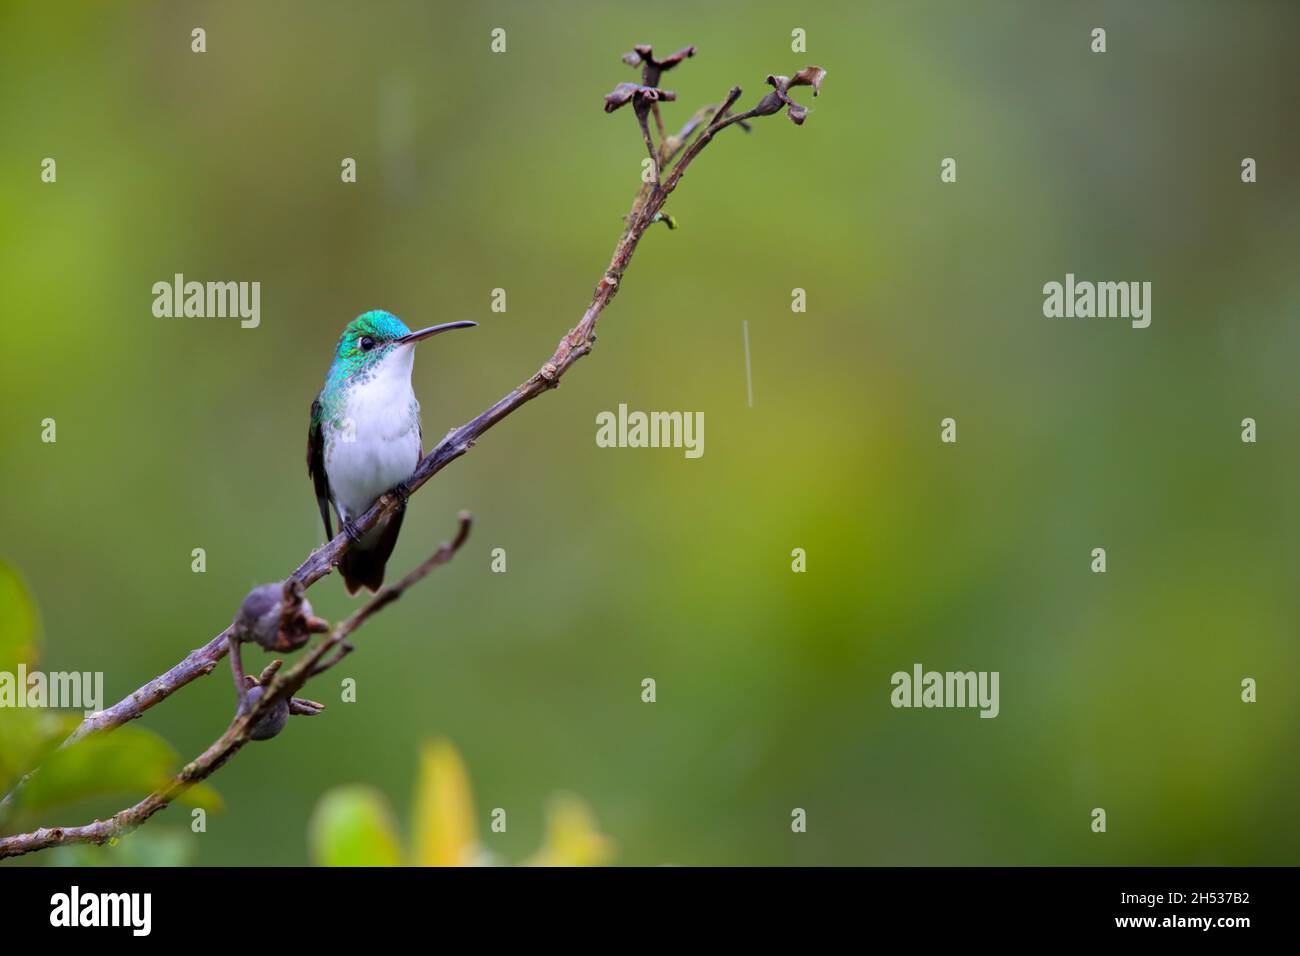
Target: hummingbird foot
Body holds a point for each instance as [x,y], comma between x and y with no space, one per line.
[402,490]
[350,529]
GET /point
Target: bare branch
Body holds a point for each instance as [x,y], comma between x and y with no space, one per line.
[577,342]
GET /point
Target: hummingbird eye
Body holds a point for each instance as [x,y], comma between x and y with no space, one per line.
[366,343]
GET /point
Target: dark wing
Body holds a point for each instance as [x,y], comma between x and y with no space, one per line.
[361,567]
[316,467]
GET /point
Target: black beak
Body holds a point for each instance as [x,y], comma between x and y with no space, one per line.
[432,330]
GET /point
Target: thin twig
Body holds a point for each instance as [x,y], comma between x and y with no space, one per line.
[649,143]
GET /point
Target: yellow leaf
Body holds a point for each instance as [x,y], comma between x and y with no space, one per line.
[202,795]
[572,837]
[444,809]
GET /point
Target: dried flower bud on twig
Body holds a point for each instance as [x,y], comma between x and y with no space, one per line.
[278,617]
[642,55]
[639,96]
[642,99]
[273,721]
[772,103]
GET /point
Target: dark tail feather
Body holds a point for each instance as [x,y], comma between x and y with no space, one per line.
[364,567]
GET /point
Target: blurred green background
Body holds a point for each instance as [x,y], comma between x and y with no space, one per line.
[480,170]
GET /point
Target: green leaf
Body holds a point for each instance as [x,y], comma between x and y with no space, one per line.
[353,826]
[18,641]
[26,738]
[128,760]
[23,733]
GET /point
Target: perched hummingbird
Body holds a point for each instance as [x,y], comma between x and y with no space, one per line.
[365,437]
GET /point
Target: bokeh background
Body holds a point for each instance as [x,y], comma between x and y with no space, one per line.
[478,171]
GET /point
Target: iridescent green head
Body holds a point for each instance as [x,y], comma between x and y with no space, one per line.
[373,337]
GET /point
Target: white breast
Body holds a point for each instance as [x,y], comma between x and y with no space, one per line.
[383,418]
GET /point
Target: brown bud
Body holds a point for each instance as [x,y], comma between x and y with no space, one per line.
[269,724]
[278,617]
[772,103]
[642,55]
[640,96]
[273,721]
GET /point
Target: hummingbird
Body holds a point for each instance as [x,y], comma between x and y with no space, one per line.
[365,437]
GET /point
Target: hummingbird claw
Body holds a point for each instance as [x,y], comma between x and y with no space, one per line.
[350,529]
[402,490]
